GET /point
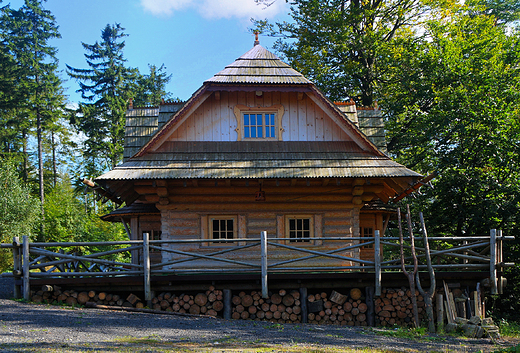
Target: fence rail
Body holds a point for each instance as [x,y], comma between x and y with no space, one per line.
[34,260]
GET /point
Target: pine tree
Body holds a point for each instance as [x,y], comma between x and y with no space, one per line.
[151,88]
[106,87]
[26,33]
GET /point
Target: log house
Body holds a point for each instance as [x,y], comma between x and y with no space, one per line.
[257,148]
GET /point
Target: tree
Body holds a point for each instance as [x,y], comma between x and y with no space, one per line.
[453,105]
[106,88]
[338,43]
[19,211]
[26,33]
[151,88]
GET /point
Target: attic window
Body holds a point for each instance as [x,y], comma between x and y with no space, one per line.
[259,125]
[263,123]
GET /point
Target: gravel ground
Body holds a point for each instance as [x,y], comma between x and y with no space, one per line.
[29,325]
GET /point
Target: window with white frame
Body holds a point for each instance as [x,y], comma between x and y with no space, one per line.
[299,228]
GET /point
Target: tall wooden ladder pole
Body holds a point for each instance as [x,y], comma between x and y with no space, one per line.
[263,246]
[25,268]
[377,261]
[146,269]
[493,260]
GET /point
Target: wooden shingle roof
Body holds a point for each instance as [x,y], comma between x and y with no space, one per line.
[258,160]
[259,66]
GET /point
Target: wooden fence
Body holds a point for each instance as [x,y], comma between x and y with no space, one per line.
[34,260]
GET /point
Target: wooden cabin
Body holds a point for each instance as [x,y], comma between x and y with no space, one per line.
[257,148]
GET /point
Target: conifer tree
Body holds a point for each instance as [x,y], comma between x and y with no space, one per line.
[26,33]
[106,87]
[151,88]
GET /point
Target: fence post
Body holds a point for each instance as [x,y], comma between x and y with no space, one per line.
[17,267]
[377,261]
[146,270]
[263,246]
[493,260]
[25,268]
[500,260]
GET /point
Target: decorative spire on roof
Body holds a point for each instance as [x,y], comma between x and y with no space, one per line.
[256,38]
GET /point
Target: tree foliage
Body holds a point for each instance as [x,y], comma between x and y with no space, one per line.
[452,107]
[151,88]
[338,43]
[26,33]
[106,86]
[19,210]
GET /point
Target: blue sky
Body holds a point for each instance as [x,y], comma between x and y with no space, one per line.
[193,38]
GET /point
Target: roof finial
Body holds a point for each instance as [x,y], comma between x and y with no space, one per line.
[256,38]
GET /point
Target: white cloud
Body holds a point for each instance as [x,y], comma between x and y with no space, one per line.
[215,9]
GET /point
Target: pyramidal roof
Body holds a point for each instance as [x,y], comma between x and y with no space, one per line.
[259,66]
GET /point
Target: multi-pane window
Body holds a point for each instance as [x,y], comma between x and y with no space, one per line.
[259,125]
[222,228]
[299,229]
[153,235]
[367,232]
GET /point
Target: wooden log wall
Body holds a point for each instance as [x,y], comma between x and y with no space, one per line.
[193,225]
[394,307]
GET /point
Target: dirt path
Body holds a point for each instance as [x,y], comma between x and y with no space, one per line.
[23,325]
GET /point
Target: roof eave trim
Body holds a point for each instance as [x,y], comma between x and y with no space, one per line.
[350,125]
[163,133]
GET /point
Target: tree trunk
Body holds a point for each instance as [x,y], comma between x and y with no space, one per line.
[40,170]
[54,169]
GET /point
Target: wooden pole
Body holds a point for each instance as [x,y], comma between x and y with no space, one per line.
[263,245]
[440,313]
[377,261]
[371,315]
[303,305]
[227,304]
[146,269]
[25,266]
[500,260]
[493,260]
[17,267]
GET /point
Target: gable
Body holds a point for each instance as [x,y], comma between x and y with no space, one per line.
[217,119]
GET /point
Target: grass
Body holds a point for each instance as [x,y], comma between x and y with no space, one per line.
[151,344]
[509,329]
[415,334]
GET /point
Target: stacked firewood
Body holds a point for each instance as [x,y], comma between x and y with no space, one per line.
[50,294]
[208,303]
[394,307]
[338,309]
[281,307]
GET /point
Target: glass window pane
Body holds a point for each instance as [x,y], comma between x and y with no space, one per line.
[246,131]
[246,119]
[272,132]
[259,129]
[253,132]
